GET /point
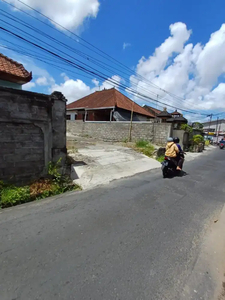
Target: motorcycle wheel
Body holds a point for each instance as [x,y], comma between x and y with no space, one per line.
[165,172]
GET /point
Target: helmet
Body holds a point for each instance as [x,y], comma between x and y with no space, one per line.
[170,139]
[176,140]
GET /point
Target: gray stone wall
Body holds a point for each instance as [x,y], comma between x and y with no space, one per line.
[119,131]
[32,133]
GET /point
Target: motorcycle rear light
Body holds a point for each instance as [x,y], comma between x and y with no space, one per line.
[166,158]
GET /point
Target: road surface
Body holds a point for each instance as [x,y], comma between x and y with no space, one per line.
[136,239]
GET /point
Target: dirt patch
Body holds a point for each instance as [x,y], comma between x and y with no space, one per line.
[222,296]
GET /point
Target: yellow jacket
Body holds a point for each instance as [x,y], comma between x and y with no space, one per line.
[171,149]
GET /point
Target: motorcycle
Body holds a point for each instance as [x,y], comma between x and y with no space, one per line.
[221,145]
[169,167]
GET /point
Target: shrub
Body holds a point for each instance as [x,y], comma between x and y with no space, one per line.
[145,147]
[148,151]
[141,144]
[13,195]
[197,139]
[186,128]
[53,169]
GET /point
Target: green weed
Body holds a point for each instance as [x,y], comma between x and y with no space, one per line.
[160,158]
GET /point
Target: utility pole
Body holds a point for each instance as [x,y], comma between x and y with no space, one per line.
[217,132]
[210,121]
[155,120]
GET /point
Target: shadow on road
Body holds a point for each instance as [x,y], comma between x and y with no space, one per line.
[177,174]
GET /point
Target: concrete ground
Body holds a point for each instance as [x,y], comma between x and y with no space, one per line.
[139,238]
[100,163]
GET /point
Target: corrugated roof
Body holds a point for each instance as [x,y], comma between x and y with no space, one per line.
[11,67]
[108,98]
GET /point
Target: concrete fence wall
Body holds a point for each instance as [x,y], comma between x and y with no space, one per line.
[119,131]
[32,133]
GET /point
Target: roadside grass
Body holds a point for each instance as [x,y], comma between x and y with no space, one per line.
[144,147]
[142,144]
[54,184]
[160,158]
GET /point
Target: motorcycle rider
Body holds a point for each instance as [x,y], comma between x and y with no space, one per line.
[172,152]
[180,156]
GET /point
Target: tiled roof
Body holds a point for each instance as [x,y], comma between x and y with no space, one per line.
[155,110]
[164,113]
[108,98]
[178,119]
[13,68]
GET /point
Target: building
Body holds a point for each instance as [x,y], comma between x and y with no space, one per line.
[107,105]
[152,110]
[177,120]
[12,73]
[214,128]
[164,115]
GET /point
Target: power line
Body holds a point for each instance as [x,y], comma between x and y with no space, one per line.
[84,69]
[101,51]
[61,43]
[90,59]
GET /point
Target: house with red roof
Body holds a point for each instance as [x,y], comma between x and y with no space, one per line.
[107,105]
[152,110]
[12,73]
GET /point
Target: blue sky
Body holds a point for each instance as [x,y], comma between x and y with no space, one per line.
[177,46]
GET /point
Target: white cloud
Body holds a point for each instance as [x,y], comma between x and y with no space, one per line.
[72,89]
[76,89]
[28,86]
[187,70]
[211,60]
[174,44]
[125,45]
[68,13]
[42,81]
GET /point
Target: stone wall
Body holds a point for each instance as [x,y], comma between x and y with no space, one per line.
[32,133]
[184,138]
[119,131]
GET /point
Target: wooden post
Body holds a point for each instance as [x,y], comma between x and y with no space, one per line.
[111,113]
[131,122]
[85,116]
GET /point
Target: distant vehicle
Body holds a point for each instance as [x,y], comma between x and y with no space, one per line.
[222,144]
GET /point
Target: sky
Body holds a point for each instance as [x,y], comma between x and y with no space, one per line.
[170,51]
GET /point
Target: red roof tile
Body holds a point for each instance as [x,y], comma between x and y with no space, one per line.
[155,110]
[12,68]
[106,99]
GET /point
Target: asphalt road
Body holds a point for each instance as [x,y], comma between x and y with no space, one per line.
[135,239]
